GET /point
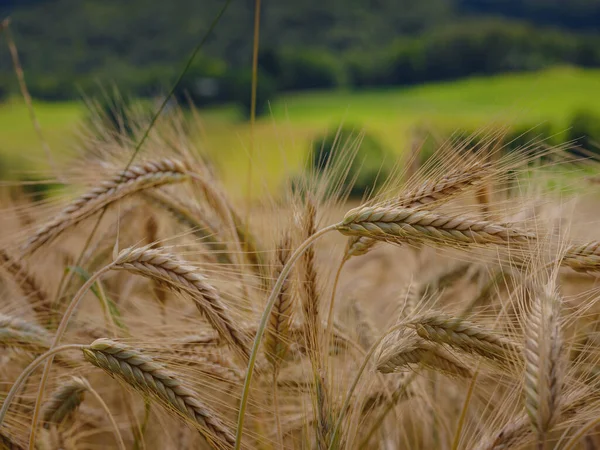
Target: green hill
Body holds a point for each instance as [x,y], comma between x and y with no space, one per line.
[283,138]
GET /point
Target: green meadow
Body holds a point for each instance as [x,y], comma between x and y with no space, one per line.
[282,138]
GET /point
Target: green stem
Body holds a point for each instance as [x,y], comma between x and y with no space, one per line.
[59,333]
[28,370]
[263,322]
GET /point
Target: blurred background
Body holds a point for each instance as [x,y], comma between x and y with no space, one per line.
[399,70]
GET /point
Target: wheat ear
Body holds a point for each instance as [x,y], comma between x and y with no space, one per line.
[401,351]
[180,276]
[432,190]
[543,360]
[16,332]
[137,178]
[151,378]
[277,338]
[39,299]
[466,336]
[64,401]
[583,257]
[419,226]
[310,290]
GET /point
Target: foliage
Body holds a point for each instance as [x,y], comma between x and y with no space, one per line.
[239,87]
[73,45]
[310,69]
[472,48]
[585,130]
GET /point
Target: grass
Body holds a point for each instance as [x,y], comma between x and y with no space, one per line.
[282,139]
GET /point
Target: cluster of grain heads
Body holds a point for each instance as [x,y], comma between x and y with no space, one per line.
[176,274]
[148,377]
[403,350]
[465,336]
[137,178]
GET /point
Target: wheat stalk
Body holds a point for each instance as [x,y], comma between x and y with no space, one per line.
[180,276]
[137,178]
[151,378]
[543,360]
[463,335]
[64,401]
[419,226]
[39,299]
[402,350]
[280,320]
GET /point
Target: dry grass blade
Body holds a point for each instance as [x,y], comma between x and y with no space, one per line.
[151,378]
[402,350]
[466,336]
[39,299]
[408,225]
[64,401]
[277,336]
[178,275]
[137,178]
[543,360]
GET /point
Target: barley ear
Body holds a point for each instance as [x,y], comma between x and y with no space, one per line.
[143,374]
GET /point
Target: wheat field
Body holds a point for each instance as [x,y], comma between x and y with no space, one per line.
[453,308]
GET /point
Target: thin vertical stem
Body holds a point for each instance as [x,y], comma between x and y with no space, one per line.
[262,325]
[59,333]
